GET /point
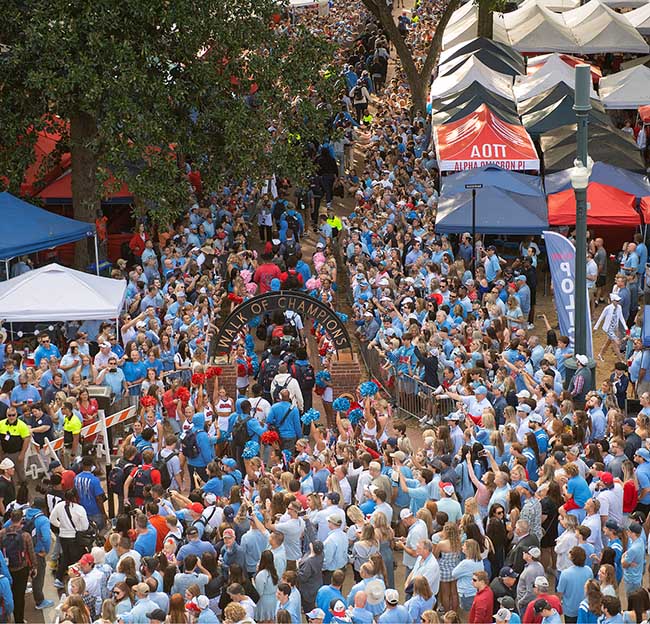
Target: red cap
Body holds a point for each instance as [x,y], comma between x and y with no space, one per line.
[606,477]
[195,507]
[87,559]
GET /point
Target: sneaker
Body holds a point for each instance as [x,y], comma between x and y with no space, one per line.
[46,604]
[58,584]
[531,326]
[28,589]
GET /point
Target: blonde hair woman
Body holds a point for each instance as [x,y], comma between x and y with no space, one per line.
[355,515]
[449,556]
[464,572]
[385,536]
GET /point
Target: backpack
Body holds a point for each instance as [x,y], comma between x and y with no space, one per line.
[304,375]
[240,432]
[29,526]
[189,445]
[269,370]
[117,476]
[357,92]
[275,395]
[292,223]
[161,465]
[13,548]
[290,248]
[141,480]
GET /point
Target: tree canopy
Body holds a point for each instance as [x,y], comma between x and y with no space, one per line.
[144,83]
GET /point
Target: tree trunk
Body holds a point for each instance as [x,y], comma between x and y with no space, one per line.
[419,89]
[86,203]
[485,19]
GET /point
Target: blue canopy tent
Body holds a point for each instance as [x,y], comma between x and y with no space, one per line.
[493,176]
[498,211]
[27,229]
[627,181]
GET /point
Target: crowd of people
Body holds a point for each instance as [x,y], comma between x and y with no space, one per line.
[278,501]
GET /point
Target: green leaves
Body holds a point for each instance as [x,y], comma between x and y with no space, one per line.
[175,76]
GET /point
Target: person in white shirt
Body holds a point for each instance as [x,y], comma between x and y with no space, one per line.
[283,380]
[69,517]
[610,496]
[259,405]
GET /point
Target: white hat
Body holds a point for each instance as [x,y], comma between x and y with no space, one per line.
[316,614]
[524,407]
[202,602]
[523,394]
[615,297]
[583,359]
[405,513]
[535,418]
[503,615]
[391,596]
[6,464]
[375,592]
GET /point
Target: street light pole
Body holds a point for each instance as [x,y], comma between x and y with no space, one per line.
[582,107]
[473,188]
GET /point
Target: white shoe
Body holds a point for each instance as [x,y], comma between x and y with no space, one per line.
[531,326]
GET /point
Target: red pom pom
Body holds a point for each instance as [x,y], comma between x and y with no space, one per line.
[270,437]
[235,298]
[198,379]
[148,401]
[183,394]
[213,371]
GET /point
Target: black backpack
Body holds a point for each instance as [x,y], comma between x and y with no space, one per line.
[13,548]
[29,526]
[161,464]
[290,248]
[293,224]
[117,476]
[141,480]
[275,395]
[240,432]
[304,375]
[189,445]
[357,92]
[269,371]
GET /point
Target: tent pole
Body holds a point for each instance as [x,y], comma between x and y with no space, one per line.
[96,254]
[6,270]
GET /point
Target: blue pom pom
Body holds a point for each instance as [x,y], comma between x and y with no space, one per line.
[252,449]
[286,453]
[310,416]
[355,416]
[368,389]
[341,404]
[322,378]
[344,317]
[254,322]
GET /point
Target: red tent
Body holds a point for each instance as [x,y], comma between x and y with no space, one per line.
[482,138]
[60,191]
[606,206]
[645,209]
[644,113]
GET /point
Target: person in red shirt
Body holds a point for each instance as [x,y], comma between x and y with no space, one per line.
[266,272]
[481,611]
[67,476]
[159,523]
[141,477]
[540,589]
[136,244]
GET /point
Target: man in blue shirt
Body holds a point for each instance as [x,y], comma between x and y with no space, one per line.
[45,350]
[570,587]
[395,613]
[335,548]
[286,419]
[135,372]
[492,265]
[282,594]
[112,377]
[91,493]
[642,458]
[330,592]
[24,393]
[254,542]
[633,558]
[145,543]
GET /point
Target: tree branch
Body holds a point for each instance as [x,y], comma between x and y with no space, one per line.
[436,42]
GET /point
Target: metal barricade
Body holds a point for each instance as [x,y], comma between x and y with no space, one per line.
[416,399]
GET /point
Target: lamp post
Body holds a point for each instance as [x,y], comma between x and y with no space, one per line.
[580,181]
[473,188]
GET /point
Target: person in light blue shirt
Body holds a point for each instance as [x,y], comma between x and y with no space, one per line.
[335,548]
[145,543]
[417,488]
[633,558]
[330,593]
[45,350]
[492,265]
[570,587]
[254,542]
[283,594]
[464,571]
[395,613]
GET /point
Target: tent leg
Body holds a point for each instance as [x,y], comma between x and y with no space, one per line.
[6,270]
[96,255]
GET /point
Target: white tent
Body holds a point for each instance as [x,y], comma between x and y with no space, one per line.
[558,6]
[598,29]
[57,293]
[629,88]
[533,28]
[624,4]
[472,71]
[463,30]
[467,11]
[552,72]
[640,18]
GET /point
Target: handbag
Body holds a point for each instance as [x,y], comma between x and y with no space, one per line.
[87,538]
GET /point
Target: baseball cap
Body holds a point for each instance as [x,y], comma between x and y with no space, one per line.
[106,345]
[612,525]
[157,614]
[141,588]
[503,615]
[446,487]
[629,422]
[202,602]
[229,461]
[606,477]
[6,464]
[583,359]
[228,533]
[192,530]
[453,416]
[375,591]
[228,512]
[535,418]
[635,527]
[559,457]
[400,455]
[507,601]
[87,559]
[541,581]
[524,407]
[391,596]
[195,507]
[541,605]
[534,552]
[338,610]
[210,498]
[335,497]
[316,614]
[55,463]
[523,394]
[334,519]
[642,452]
[405,513]
[480,390]
[508,572]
